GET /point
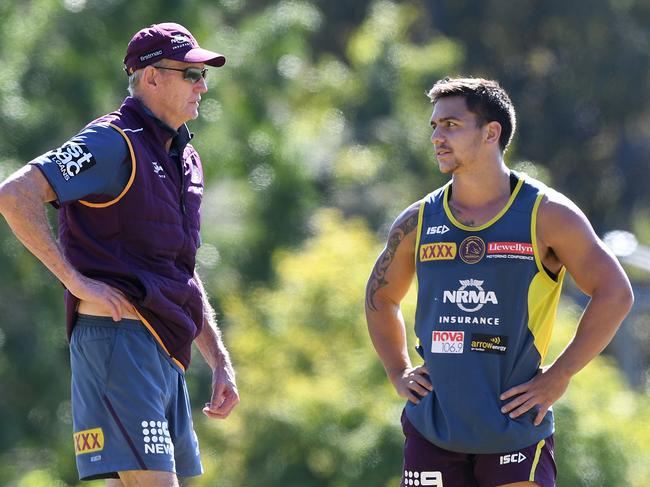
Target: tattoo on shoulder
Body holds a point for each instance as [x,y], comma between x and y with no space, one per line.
[378,277]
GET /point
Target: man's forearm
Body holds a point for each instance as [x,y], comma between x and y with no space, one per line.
[210,344]
[209,341]
[388,335]
[597,327]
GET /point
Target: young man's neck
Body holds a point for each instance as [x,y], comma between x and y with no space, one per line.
[481,186]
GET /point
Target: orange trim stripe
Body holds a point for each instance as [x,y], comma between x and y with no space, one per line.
[128,184]
[160,342]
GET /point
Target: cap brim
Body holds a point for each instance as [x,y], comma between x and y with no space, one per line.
[199,55]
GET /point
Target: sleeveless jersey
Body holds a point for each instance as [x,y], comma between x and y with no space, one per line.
[484,318]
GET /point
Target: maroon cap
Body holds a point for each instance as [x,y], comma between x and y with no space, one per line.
[166,41]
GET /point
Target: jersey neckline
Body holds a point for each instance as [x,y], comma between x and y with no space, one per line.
[493,220]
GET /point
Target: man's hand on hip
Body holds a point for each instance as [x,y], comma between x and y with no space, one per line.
[103,296]
[413,383]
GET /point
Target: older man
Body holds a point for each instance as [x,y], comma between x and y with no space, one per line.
[129,188]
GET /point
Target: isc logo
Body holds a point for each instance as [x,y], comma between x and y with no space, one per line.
[440,229]
[512,458]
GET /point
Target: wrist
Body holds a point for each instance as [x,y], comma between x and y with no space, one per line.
[396,373]
[72,280]
[560,370]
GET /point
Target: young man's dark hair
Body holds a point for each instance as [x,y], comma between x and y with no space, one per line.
[485,98]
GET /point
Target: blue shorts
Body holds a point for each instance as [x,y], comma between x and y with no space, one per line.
[130,406]
[427,464]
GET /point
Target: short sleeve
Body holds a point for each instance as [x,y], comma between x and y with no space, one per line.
[93,162]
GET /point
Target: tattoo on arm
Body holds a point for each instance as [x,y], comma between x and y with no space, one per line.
[378,277]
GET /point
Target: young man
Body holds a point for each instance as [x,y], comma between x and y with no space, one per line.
[128,188]
[490,250]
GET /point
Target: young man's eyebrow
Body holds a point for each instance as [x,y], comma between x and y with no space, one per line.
[443,119]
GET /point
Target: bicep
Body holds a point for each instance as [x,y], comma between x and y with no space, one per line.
[575,243]
[392,275]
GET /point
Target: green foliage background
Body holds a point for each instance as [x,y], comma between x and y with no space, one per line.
[314,137]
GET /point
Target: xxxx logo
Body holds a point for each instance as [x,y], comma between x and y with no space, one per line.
[438,251]
[88,441]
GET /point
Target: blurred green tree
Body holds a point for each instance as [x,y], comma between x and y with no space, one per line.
[321,104]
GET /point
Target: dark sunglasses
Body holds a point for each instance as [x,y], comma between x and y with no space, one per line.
[190,74]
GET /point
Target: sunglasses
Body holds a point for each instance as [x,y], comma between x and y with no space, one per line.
[190,74]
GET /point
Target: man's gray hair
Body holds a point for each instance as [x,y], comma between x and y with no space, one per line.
[134,81]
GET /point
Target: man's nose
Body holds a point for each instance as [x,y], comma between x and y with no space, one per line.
[436,137]
[201,85]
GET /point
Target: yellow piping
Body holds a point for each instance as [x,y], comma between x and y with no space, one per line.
[419,231]
[487,224]
[538,452]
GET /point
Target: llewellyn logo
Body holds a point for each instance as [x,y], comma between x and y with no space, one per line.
[521,248]
[510,250]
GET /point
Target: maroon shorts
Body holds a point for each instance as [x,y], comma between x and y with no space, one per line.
[426,464]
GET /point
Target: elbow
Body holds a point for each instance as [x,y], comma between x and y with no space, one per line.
[615,295]
[627,293]
[628,299]
[7,197]
[623,297]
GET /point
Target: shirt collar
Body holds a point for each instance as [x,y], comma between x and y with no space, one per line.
[161,131]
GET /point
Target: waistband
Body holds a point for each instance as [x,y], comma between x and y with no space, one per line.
[107,322]
[125,324]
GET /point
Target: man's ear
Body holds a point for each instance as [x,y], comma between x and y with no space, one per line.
[492,132]
[150,76]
